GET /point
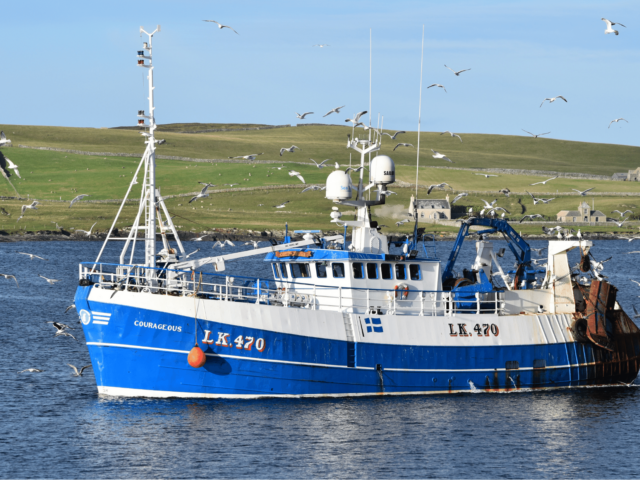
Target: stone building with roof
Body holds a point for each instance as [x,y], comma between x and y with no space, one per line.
[432,210]
[630,176]
[584,214]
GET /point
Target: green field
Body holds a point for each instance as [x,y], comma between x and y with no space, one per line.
[320,142]
[49,176]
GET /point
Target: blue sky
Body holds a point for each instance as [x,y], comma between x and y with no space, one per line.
[73,63]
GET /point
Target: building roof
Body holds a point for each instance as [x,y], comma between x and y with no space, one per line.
[576,213]
[569,213]
[427,204]
[619,176]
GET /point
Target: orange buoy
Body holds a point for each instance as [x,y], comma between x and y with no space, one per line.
[196,357]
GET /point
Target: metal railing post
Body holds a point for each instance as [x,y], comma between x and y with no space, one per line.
[226,289]
[422,304]
[478,303]
[340,295]
[258,292]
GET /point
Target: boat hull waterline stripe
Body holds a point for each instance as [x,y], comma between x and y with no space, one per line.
[324,365]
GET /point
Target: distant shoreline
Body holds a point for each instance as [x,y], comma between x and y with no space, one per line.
[239,236]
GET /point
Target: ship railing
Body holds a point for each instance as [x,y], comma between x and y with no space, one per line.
[289,294]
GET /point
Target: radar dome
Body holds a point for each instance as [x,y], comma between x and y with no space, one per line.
[338,186]
[383,170]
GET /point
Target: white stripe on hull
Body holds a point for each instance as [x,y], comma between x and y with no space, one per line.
[140,393]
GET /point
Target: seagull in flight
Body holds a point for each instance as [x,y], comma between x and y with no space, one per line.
[249,157]
[402,145]
[14,167]
[223,244]
[622,214]
[402,222]
[457,74]
[3,139]
[31,370]
[32,256]
[313,187]
[386,193]
[252,242]
[203,193]
[530,217]
[78,373]
[452,134]
[29,207]
[438,85]
[619,224]
[221,26]
[333,110]
[351,169]
[393,137]
[612,121]
[7,276]
[533,134]
[73,305]
[293,173]
[440,155]
[199,239]
[50,281]
[609,25]
[321,45]
[356,119]
[301,117]
[543,182]
[553,99]
[487,175]
[77,199]
[584,192]
[87,233]
[291,149]
[281,205]
[321,164]
[458,197]
[439,185]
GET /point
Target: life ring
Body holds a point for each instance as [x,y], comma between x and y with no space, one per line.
[405,290]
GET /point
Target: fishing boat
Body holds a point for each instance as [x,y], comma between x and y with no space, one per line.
[342,315]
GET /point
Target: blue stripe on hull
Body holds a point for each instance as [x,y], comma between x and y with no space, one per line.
[169,372]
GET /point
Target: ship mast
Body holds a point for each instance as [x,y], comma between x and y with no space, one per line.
[149,185]
[151,204]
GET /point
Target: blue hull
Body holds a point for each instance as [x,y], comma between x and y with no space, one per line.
[144,353]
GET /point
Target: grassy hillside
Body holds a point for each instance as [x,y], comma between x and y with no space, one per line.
[54,175]
[49,176]
[320,142]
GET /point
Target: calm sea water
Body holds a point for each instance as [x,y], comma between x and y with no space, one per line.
[55,425]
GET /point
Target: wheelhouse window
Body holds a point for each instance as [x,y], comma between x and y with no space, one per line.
[387,273]
[401,271]
[358,270]
[276,272]
[321,270]
[299,270]
[283,270]
[337,270]
[414,272]
[372,270]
